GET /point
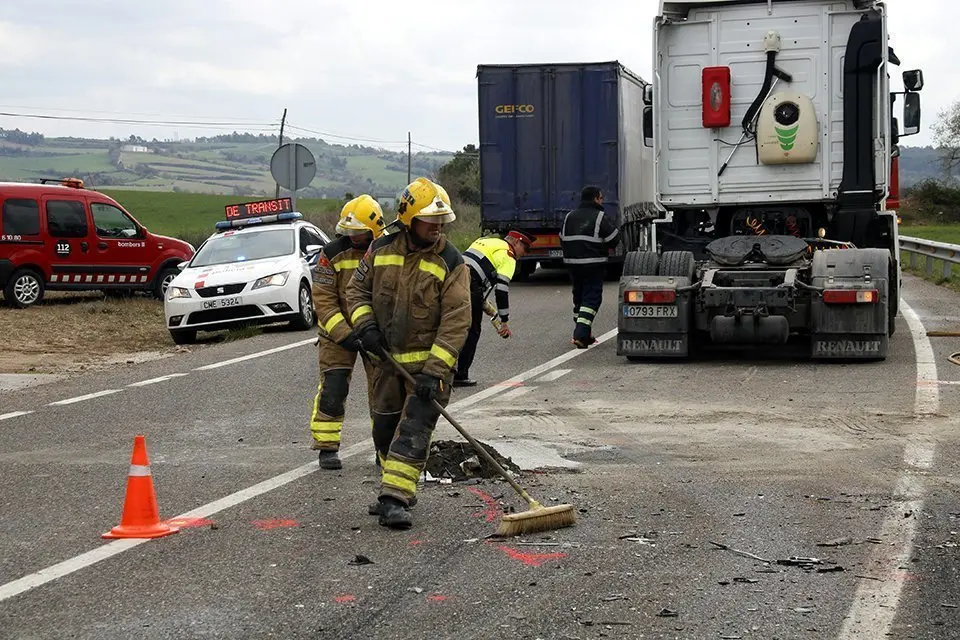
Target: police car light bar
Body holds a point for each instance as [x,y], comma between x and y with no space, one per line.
[246,222]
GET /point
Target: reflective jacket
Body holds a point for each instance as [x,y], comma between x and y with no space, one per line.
[587,235]
[335,266]
[420,300]
[493,262]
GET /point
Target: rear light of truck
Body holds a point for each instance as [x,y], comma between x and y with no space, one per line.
[851,296]
[650,297]
[716,97]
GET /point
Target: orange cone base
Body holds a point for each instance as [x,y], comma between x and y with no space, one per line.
[152,531]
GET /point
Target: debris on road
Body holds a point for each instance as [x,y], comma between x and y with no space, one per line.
[839,542]
[360,560]
[797,561]
[457,461]
[738,552]
[835,568]
[667,613]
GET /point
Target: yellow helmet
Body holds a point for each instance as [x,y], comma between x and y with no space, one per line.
[360,215]
[426,200]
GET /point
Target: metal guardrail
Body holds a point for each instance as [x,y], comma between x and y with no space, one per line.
[947,254]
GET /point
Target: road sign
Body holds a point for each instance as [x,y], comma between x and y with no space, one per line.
[293,166]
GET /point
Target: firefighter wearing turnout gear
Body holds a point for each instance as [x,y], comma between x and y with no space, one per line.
[586,238]
[361,221]
[492,263]
[410,295]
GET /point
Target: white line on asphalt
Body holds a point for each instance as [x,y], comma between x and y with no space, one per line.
[15,414]
[258,354]
[111,549]
[89,396]
[516,392]
[874,606]
[556,374]
[144,383]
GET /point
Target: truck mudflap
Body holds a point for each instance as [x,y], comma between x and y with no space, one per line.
[849,314]
[654,316]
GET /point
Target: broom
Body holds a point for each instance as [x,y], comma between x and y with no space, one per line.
[537,517]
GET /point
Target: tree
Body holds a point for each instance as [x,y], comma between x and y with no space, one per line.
[946,136]
[461,175]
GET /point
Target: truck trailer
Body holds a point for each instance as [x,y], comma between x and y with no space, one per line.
[547,131]
[773,128]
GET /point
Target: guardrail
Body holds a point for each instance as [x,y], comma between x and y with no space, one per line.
[947,254]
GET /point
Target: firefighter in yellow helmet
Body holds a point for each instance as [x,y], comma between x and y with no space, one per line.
[361,222]
[410,295]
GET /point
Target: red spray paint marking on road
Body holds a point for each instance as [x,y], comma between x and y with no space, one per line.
[345,598]
[436,598]
[531,559]
[492,510]
[273,523]
[414,543]
[186,523]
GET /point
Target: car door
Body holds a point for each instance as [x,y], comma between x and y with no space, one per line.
[121,249]
[69,249]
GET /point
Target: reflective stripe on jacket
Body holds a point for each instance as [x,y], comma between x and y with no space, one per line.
[587,235]
[335,267]
[493,262]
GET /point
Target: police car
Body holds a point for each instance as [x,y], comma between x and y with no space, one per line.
[256,269]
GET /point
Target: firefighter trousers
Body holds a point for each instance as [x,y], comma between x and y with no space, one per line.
[403,427]
[329,405]
[469,350]
[587,296]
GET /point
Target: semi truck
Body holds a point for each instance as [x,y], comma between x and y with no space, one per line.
[547,131]
[775,139]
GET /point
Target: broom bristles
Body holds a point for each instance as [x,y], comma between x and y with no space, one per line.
[534,520]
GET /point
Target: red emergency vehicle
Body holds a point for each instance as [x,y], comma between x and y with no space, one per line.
[58,235]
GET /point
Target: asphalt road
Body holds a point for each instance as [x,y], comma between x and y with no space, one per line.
[768,454]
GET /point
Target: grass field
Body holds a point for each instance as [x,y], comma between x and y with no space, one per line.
[192,216]
[949,233]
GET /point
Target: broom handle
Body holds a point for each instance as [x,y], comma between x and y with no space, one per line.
[476,445]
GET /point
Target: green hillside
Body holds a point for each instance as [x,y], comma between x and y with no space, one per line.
[234,164]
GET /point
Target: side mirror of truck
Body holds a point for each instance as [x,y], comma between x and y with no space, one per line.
[648,126]
[913,80]
[911,114]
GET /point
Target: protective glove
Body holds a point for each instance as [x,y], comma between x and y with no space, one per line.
[372,340]
[427,387]
[351,342]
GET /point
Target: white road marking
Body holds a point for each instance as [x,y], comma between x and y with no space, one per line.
[875,603]
[14,414]
[556,374]
[258,354]
[116,547]
[144,383]
[89,396]
[516,392]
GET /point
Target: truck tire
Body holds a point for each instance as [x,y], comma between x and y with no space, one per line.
[641,263]
[678,264]
[525,269]
[893,302]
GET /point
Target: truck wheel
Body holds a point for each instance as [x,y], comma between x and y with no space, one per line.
[164,278]
[183,336]
[893,302]
[678,264]
[24,289]
[524,270]
[641,263]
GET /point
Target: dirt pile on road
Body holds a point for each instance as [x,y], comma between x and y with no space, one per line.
[458,461]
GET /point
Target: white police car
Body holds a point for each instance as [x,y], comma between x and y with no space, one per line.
[256,269]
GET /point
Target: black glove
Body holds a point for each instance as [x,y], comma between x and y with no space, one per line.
[351,342]
[427,387]
[372,340]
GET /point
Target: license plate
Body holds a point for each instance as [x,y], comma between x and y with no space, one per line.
[220,303]
[650,311]
[555,253]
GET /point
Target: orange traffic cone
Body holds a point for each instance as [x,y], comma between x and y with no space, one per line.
[140,518]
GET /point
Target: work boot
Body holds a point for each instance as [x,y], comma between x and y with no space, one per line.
[394,514]
[464,382]
[374,509]
[330,460]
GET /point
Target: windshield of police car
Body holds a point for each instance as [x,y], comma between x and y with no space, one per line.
[244,247]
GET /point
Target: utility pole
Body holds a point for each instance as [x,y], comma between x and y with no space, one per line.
[283,121]
[409,144]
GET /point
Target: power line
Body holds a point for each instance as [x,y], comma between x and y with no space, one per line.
[168,123]
[121,113]
[341,137]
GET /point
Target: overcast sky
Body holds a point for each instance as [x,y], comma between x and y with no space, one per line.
[370,69]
